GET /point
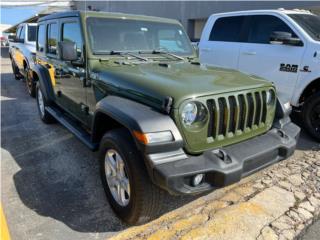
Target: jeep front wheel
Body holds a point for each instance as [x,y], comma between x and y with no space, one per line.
[128,188]
[311,115]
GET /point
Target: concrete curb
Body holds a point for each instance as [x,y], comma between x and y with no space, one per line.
[280,204]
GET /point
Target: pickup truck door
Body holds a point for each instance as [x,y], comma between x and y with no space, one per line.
[277,63]
[72,92]
[219,45]
[16,47]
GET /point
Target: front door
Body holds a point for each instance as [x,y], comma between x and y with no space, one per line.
[222,46]
[277,63]
[72,92]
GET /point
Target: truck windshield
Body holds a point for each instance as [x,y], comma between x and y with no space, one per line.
[310,23]
[111,35]
[32,33]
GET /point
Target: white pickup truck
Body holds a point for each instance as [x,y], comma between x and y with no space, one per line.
[282,46]
[22,49]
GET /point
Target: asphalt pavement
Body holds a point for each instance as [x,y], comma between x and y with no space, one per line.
[50,181]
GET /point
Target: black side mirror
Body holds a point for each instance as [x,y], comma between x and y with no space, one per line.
[11,38]
[68,51]
[284,38]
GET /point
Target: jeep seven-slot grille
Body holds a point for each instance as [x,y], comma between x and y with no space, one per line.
[240,112]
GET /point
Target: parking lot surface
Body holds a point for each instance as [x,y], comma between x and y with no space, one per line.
[50,181]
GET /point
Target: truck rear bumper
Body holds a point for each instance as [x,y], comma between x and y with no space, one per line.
[222,167]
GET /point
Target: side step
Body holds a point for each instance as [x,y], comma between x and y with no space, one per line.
[72,127]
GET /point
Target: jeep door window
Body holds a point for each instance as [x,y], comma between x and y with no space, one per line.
[71,33]
[32,33]
[262,26]
[108,35]
[309,23]
[227,29]
[22,34]
[52,31]
[41,41]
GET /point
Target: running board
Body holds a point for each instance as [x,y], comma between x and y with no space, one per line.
[81,134]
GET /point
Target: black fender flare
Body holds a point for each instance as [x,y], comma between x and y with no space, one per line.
[138,117]
[44,81]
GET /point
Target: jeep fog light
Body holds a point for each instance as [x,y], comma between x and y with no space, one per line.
[197,179]
[155,137]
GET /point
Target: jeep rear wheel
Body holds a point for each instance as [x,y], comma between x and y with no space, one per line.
[15,70]
[311,115]
[31,87]
[42,104]
[131,194]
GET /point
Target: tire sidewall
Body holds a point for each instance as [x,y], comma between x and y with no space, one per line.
[307,110]
[31,89]
[42,116]
[112,142]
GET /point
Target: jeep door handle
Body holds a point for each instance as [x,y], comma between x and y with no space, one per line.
[249,53]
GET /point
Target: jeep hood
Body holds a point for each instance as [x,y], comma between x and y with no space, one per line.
[153,82]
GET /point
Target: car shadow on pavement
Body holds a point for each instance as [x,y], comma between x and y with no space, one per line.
[58,176]
[4,52]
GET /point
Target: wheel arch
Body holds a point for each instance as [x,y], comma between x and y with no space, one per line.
[310,89]
[44,81]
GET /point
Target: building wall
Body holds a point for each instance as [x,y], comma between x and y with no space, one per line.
[192,14]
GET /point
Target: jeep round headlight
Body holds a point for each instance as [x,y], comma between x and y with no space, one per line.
[270,97]
[193,113]
[189,113]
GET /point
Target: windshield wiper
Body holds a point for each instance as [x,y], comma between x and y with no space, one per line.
[120,53]
[127,53]
[163,52]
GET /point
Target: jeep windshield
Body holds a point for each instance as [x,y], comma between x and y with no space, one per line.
[310,23]
[108,36]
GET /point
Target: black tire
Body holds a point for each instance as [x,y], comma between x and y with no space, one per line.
[15,70]
[31,85]
[145,198]
[44,115]
[311,115]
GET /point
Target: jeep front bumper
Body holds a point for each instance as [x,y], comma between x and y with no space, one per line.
[173,171]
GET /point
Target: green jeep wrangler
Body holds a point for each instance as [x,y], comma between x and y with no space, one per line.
[132,88]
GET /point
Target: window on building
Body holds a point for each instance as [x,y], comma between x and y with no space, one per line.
[227,29]
[71,32]
[52,37]
[41,38]
[262,26]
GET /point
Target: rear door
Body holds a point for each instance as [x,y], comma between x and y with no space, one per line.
[221,47]
[18,47]
[277,63]
[47,37]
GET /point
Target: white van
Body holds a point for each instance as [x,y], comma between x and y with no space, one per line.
[282,46]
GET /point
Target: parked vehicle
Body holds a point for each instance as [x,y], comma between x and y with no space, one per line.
[131,86]
[22,50]
[282,46]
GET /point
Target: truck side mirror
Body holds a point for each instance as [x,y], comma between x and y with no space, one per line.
[284,38]
[68,51]
[11,38]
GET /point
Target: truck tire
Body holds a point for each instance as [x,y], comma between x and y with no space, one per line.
[31,86]
[15,70]
[41,104]
[131,194]
[311,115]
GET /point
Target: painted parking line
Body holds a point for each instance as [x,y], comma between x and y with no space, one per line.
[4,235]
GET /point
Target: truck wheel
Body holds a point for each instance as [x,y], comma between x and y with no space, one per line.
[131,194]
[42,103]
[31,87]
[15,70]
[311,115]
